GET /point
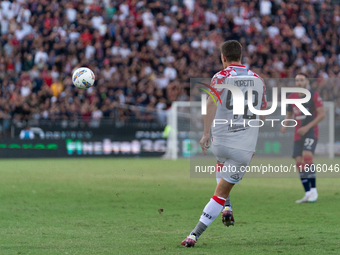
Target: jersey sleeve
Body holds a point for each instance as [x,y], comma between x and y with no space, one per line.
[317,100]
[217,79]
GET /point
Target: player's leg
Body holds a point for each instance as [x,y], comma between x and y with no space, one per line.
[228,218]
[297,155]
[214,207]
[307,155]
[300,165]
[237,159]
[210,212]
[304,180]
[232,174]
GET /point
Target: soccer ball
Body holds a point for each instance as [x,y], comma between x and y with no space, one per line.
[83,78]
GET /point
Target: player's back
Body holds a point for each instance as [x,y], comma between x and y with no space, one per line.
[239,131]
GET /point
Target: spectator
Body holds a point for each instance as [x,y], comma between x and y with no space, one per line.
[73,34]
[320,59]
[97,20]
[125,51]
[5,6]
[170,72]
[26,133]
[71,13]
[108,70]
[265,7]
[273,31]
[26,89]
[86,37]
[299,31]
[96,115]
[147,18]
[177,36]
[41,56]
[161,113]
[56,87]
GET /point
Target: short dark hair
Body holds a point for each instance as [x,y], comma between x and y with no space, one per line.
[232,50]
[303,75]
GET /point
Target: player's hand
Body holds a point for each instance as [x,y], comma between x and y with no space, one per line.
[302,130]
[205,143]
[283,130]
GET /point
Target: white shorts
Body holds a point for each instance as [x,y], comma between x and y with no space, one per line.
[233,160]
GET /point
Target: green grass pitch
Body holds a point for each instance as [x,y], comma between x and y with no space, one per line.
[111,206]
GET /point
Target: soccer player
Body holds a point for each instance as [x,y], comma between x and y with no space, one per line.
[233,143]
[306,137]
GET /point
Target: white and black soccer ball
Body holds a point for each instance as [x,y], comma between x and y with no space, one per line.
[83,78]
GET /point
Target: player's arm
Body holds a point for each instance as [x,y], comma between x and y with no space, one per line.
[264,102]
[208,120]
[263,117]
[288,117]
[320,116]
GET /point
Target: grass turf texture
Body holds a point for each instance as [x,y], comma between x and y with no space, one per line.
[110,206]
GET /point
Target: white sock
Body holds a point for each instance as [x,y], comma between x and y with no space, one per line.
[212,210]
[313,189]
[308,193]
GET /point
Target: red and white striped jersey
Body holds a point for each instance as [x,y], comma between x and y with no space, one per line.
[239,131]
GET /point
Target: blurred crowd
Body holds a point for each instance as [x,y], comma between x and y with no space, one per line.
[144,52]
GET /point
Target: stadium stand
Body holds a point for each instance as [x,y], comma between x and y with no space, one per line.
[144,52]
